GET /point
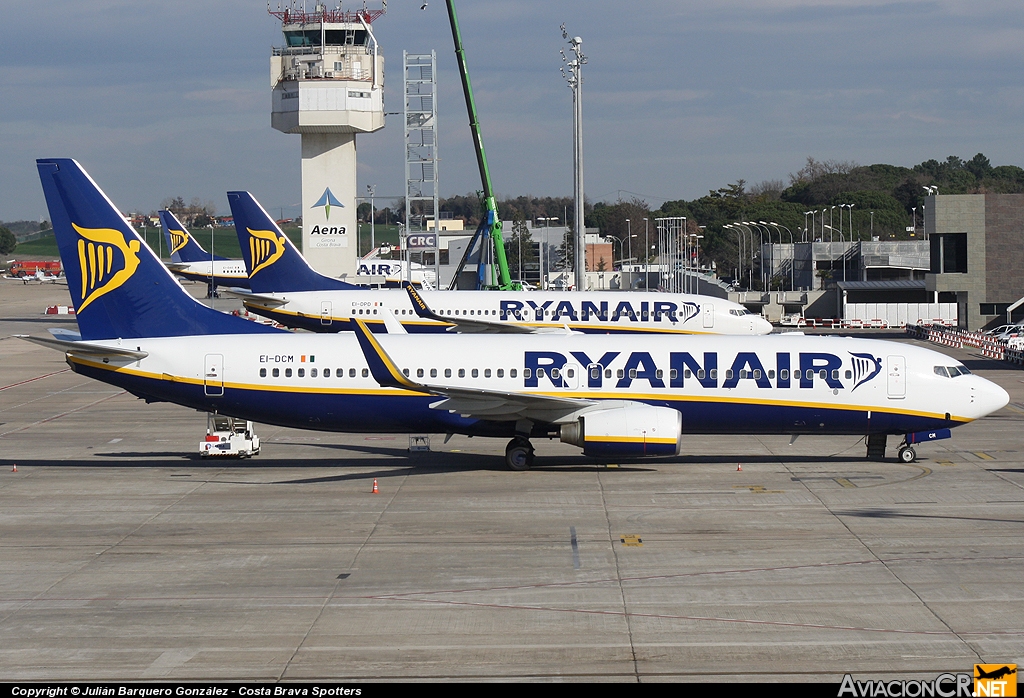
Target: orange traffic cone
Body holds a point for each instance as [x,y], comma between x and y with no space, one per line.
[375,490]
[15,468]
[739,467]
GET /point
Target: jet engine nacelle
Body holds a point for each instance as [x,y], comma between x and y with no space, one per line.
[628,431]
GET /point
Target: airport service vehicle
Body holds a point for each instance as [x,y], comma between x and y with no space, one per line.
[229,438]
[190,261]
[614,396]
[286,289]
[29,268]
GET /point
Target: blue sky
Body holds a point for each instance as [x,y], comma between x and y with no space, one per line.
[167,99]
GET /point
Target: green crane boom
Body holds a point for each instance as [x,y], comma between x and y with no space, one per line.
[491,222]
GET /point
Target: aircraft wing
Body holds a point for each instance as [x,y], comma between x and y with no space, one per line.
[470,402]
[258,299]
[463,324]
[85,348]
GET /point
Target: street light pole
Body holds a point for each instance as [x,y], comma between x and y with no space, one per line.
[647,259]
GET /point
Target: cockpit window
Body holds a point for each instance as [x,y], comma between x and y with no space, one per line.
[951,371]
[941,371]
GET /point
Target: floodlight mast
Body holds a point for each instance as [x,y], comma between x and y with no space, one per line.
[575,80]
[491,223]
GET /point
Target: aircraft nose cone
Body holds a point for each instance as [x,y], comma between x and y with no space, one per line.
[990,398]
[762,326]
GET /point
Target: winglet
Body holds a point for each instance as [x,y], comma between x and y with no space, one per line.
[382,367]
[420,305]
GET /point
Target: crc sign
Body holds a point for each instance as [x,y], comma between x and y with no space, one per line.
[421,241]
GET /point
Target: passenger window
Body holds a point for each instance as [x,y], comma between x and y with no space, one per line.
[744,373]
[476,373]
[540,372]
[771,374]
[366,372]
[595,373]
[512,373]
[312,373]
[406,372]
[674,373]
[687,373]
[555,373]
[351,373]
[447,373]
[849,375]
[728,374]
[327,373]
[462,373]
[607,373]
[419,372]
[526,373]
[570,372]
[700,374]
[433,373]
[713,374]
[659,374]
[501,373]
[809,375]
[619,373]
[784,374]
[487,373]
[287,373]
[302,373]
[835,374]
[823,374]
[263,373]
[757,374]
[277,372]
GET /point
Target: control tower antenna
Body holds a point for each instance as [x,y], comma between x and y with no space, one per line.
[328,85]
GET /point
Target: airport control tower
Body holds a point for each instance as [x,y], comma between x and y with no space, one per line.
[328,83]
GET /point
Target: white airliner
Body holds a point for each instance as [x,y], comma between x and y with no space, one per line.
[614,396]
[191,261]
[286,289]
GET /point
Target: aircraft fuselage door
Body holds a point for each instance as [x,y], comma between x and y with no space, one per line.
[213,375]
[896,376]
[708,314]
[325,312]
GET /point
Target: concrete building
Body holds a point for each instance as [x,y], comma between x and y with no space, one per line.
[977,253]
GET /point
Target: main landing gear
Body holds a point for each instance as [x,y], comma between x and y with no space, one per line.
[519,454]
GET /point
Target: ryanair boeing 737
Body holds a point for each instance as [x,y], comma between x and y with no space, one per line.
[286,289]
[189,260]
[614,396]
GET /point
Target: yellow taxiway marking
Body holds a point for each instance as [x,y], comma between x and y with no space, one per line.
[945,462]
[844,482]
[983,455]
[632,541]
[757,489]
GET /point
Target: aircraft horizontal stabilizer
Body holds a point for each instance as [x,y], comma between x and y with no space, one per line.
[254,298]
[84,348]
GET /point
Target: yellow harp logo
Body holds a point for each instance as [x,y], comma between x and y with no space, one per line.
[106,261]
[179,238]
[265,248]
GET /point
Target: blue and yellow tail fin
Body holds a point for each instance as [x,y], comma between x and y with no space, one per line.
[182,246]
[118,286]
[273,262]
